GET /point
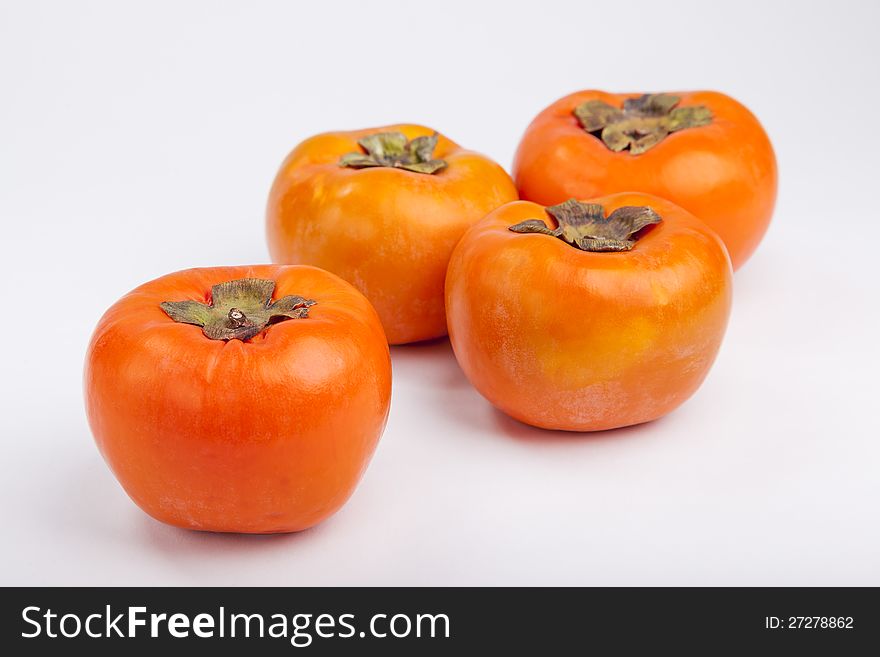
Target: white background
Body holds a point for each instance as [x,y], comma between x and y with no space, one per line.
[141,138]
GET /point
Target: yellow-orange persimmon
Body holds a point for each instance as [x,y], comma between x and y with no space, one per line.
[239,399]
[383,208]
[701,150]
[588,316]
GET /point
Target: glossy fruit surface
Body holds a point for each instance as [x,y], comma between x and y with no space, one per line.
[562,338]
[724,172]
[387,230]
[266,434]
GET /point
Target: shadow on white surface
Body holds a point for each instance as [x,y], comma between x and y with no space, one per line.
[433,364]
[174,543]
[525,433]
[86,504]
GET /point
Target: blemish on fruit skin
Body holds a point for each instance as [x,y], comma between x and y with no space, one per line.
[661,293]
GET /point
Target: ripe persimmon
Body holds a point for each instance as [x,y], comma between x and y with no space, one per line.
[383,208]
[588,315]
[239,399]
[702,150]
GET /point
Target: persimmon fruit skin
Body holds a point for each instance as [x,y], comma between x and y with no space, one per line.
[724,173]
[267,435]
[560,338]
[387,231]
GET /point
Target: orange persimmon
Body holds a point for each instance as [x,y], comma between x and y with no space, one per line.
[239,399]
[702,150]
[588,315]
[383,208]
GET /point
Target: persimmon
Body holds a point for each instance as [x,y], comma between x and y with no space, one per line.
[239,399]
[588,315]
[383,208]
[702,150]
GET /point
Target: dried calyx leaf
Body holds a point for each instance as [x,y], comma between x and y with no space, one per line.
[642,123]
[239,309]
[391,149]
[585,226]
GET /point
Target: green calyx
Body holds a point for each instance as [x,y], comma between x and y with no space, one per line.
[642,123]
[585,226]
[239,309]
[392,149]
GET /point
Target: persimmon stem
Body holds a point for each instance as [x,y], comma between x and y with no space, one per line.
[585,226]
[239,309]
[642,123]
[392,149]
[237,318]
